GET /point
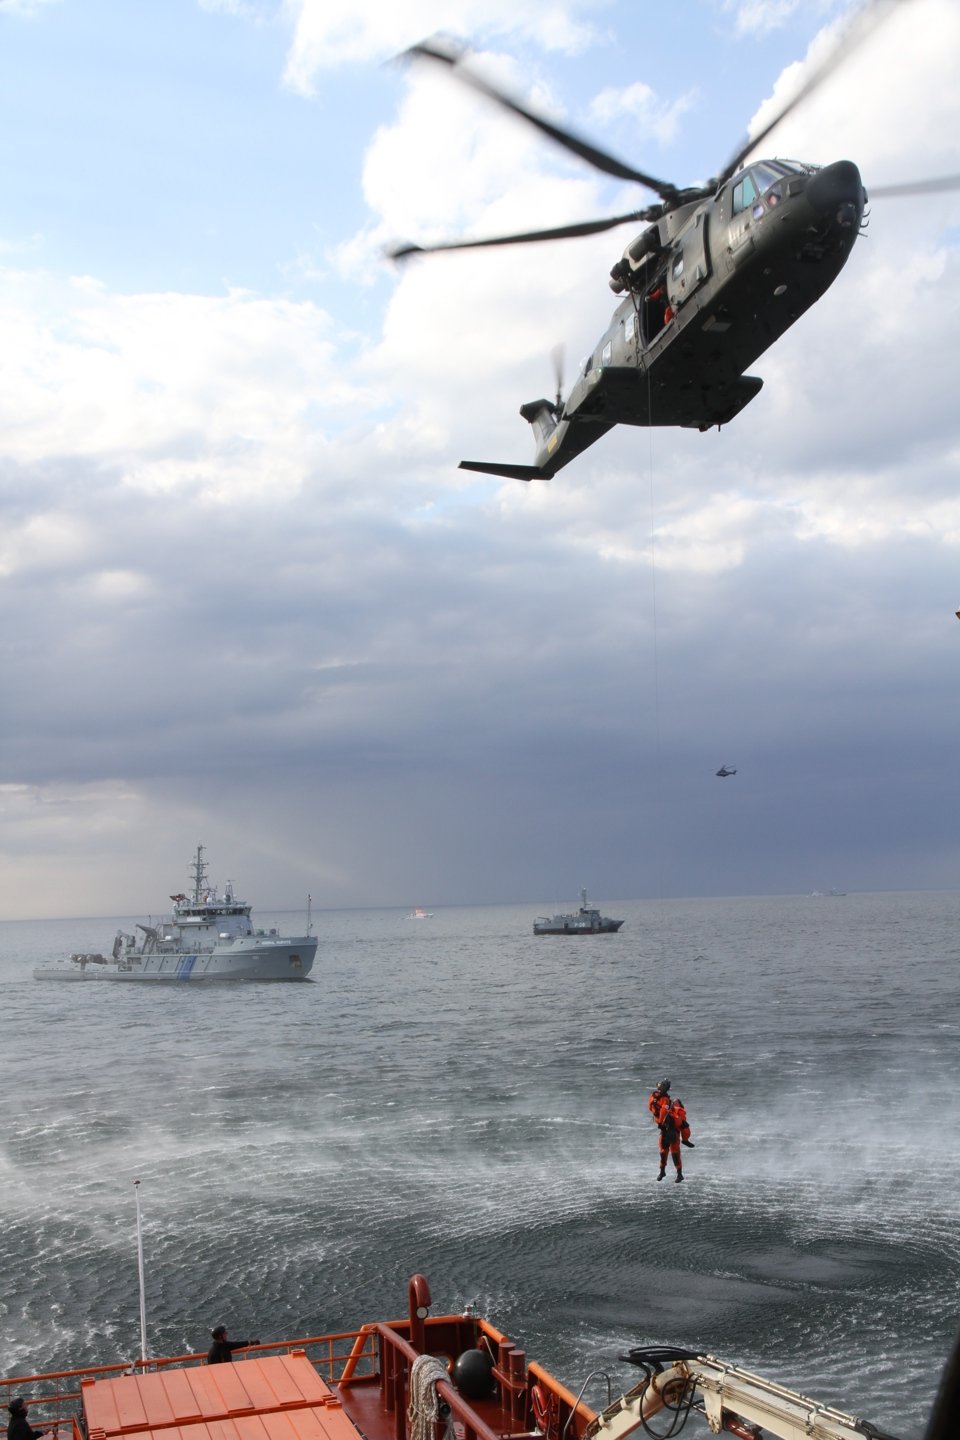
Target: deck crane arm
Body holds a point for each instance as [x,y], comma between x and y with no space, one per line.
[729,1398]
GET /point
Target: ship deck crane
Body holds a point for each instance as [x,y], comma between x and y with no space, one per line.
[728,1397]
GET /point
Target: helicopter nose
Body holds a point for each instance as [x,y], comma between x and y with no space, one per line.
[837,191]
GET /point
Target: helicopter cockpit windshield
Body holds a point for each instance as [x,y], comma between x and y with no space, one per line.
[763,179]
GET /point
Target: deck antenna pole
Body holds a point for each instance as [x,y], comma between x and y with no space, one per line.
[309,920]
[143,1301]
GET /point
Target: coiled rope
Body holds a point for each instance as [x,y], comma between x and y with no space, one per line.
[423,1411]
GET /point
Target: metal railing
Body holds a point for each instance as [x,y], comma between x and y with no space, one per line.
[342,1356]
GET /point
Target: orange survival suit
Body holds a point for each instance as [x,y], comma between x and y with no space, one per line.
[671,1119]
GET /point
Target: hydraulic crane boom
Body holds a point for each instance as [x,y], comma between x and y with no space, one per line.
[729,1398]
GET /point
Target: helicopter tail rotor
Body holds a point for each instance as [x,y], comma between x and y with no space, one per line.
[557,355]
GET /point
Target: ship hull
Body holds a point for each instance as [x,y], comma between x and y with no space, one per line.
[287,960]
[575,927]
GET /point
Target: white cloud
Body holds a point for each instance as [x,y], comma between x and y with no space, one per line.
[45,543]
[893,104]
[327,33]
[760,16]
[234,394]
[27,8]
[652,116]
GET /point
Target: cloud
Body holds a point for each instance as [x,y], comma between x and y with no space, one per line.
[328,33]
[249,599]
[890,101]
[223,397]
[653,117]
[27,8]
[761,16]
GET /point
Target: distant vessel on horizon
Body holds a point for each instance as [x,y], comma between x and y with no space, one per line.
[417,913]
[587,921]
[206,937]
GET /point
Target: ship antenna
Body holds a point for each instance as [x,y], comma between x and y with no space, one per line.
[199,875]
[309,920]
[143,1300]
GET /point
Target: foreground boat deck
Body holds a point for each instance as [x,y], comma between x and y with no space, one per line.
[333,1387]
[445,1377]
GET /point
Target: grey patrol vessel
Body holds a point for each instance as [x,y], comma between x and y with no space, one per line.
[587,921]
[206,937]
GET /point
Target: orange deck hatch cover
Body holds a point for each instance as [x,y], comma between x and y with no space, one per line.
[277,1397]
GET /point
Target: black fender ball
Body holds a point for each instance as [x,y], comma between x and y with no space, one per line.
[472,1374]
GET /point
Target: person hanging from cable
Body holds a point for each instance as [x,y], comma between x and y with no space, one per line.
[659,1102]
[671,1119]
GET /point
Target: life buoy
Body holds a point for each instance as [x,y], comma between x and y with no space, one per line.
[540,1405]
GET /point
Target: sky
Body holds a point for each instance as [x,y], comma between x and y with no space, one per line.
[248,600]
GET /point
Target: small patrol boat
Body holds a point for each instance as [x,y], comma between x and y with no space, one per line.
[206,937]
[587,921]
[425,1376]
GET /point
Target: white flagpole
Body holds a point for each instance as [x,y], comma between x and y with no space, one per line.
[143,1301]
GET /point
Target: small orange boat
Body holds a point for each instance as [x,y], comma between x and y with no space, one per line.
[425,1377]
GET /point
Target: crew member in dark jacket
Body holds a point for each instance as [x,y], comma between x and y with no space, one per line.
[18,1426]
[222,1349]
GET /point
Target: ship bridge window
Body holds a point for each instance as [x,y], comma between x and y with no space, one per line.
[744,194]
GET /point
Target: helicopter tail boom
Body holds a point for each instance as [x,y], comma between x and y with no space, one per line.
[512,472]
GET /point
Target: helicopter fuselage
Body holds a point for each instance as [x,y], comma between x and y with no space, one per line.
[708,288]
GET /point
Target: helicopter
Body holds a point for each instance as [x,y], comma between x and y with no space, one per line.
[720,272]
[724,772]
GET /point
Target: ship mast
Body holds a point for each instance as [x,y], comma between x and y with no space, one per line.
[199,875]
[143,1300]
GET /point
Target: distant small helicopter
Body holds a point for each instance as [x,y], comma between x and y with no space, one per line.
[720,272]
[724,771]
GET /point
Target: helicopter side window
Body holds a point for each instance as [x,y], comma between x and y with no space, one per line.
[744,194]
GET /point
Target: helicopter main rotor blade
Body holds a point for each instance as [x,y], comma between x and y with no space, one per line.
[599,159]
[863,24]
[916,187]
[561,232]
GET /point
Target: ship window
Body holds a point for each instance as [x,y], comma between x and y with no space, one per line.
[744,194]
[678,266]
[630,326]
[607,352]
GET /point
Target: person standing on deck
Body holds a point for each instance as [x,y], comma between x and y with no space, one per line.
[221,1351]
[18,1426]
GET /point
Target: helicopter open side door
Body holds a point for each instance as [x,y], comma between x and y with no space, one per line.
[689,263]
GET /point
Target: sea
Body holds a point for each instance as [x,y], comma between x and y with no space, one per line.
[458,1097]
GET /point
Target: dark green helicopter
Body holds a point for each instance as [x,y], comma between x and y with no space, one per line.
[720,272]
